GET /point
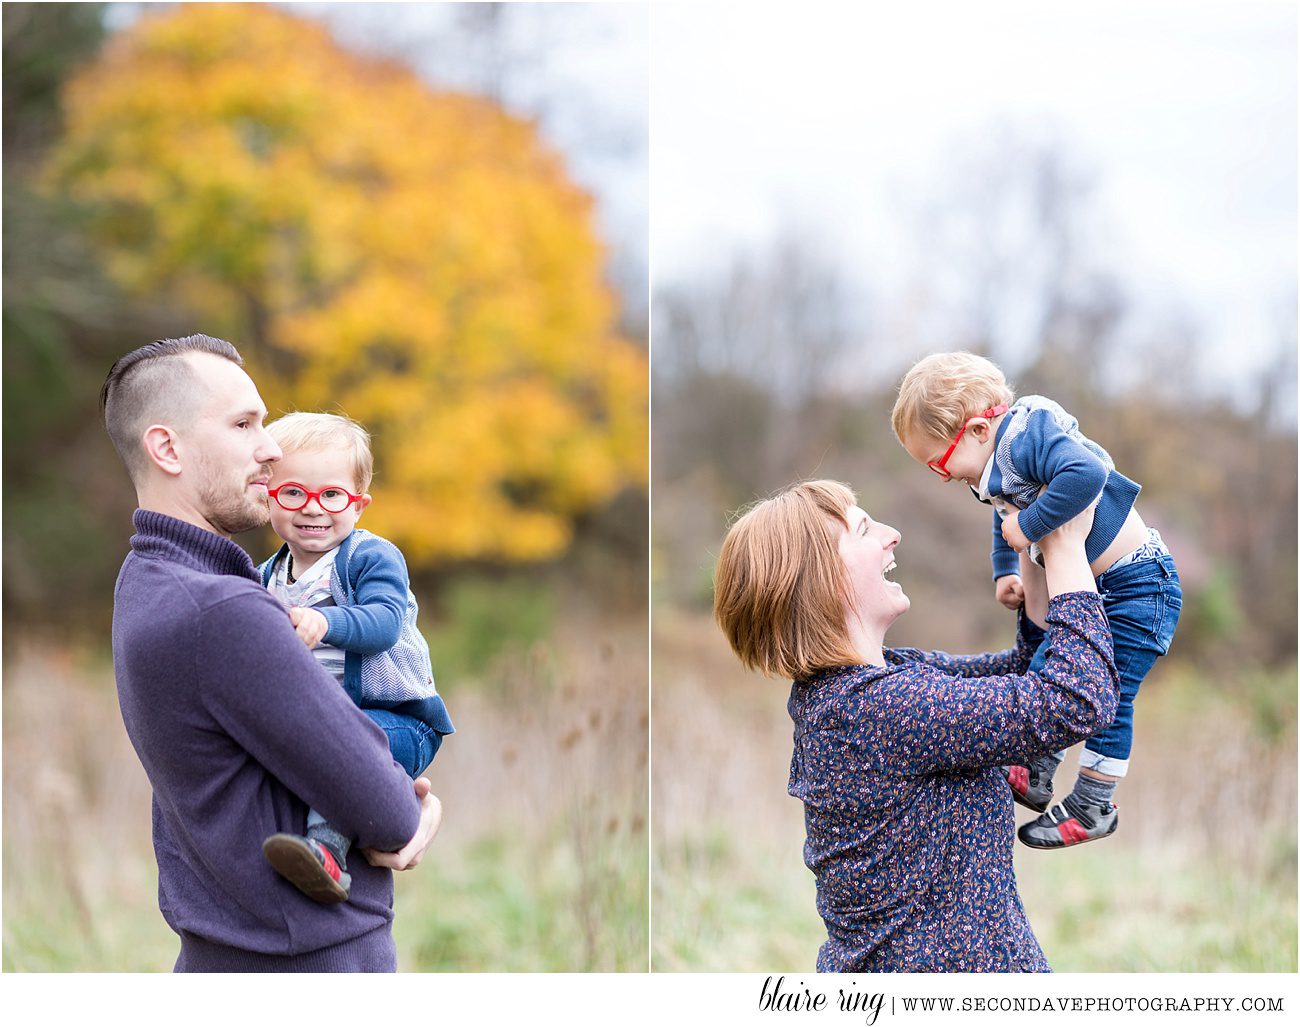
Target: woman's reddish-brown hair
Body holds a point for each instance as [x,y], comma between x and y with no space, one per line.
[780,589]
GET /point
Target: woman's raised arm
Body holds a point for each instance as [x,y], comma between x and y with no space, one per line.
[951,722]
[980,665]
[1067,571]
[1064,557]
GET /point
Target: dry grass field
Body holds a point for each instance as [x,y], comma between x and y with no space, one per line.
[1200,877]
[540,864]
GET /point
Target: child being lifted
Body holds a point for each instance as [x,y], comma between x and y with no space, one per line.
[1026,458]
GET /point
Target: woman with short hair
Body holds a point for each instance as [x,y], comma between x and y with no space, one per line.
[897,752]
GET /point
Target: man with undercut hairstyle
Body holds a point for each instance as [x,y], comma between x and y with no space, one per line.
[215,688]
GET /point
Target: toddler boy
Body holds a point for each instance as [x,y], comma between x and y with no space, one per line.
[350,600]
[1026,458]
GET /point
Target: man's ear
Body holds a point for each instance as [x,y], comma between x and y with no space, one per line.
[162,448]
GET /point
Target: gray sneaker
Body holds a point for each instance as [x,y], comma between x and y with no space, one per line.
[309,866]
[1070,822]
[1029,786]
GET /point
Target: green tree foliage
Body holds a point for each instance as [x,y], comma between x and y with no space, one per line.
[64,323]
[416,259]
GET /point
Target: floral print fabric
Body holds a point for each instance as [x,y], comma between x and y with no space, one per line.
[909,819]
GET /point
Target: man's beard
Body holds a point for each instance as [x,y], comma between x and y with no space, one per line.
[230,511]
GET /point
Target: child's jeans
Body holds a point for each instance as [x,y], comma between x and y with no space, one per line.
[412,742]
[1142,601]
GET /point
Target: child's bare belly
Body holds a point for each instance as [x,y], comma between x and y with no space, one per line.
[1131,535]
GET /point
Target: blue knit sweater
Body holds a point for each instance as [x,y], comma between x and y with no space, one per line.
[375,620]
[1043,465]
[239,731]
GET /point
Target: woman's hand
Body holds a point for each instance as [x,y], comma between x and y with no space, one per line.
[1011,533]
[1064,557]
[1072,532]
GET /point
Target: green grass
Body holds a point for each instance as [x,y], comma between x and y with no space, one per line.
[504,904]
[1101,909]
[540,865]
[54,925]
[722,907]
[508,907]
[487,622]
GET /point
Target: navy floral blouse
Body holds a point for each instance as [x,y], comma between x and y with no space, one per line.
[909,819]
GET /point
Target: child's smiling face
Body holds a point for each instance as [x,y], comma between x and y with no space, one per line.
[312,531]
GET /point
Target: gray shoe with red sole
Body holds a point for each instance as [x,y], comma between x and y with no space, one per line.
[309,866]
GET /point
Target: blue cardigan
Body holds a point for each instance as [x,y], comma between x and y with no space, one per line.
[374,620]
[1046,467]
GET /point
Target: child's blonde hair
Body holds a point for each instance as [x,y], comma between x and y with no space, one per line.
[780,589]
[295,433]
[942,391]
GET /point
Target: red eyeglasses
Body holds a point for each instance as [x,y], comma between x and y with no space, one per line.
[332,498]
[940,466]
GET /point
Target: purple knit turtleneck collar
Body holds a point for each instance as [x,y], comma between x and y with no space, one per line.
[161,536]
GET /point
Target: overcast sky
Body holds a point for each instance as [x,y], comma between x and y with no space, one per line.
[833,119]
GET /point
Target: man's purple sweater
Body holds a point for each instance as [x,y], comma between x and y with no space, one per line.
[239,731]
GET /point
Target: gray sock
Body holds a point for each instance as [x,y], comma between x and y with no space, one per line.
[1092,792]
[1046,765]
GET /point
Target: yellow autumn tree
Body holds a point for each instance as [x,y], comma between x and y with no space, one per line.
[416,259]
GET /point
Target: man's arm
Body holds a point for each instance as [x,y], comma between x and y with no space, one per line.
[266,690]
[412,852]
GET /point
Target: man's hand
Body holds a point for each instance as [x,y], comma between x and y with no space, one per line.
[1012,534]
[310,624]
[410,854]
[1010,591]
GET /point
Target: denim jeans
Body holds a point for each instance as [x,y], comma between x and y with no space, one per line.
[1142,601]
[412,742]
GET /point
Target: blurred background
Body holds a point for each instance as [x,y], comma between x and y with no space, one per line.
[433,219]
[1105,205]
